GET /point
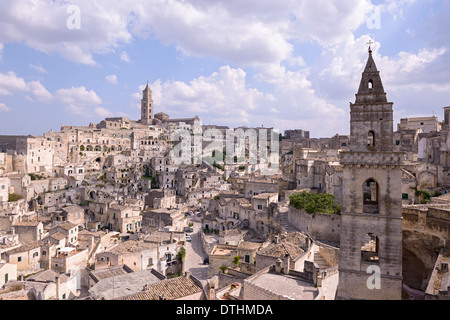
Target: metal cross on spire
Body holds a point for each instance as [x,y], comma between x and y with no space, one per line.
[370,45]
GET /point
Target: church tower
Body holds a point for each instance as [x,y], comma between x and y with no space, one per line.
[370,263]
[147,106]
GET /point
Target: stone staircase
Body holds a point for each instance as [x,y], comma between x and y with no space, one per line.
[320,261]
[282,218]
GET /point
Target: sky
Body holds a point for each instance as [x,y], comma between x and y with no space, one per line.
[286,64]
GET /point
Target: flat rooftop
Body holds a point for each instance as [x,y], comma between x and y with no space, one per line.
[287,286]
[221,251]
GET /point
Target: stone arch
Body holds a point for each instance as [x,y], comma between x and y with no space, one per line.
[370,245]
[91,216]
[414,272]
[370,84]
[260,226]
[230,224]
[98,148]
[370,191]
[371,138]
[89,148]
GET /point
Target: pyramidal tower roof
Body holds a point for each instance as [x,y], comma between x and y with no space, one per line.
[147,88]
[371,87]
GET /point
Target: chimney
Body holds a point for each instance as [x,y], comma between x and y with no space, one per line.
[58,286]
[286,263]
[277,239]
[278,265]
[187,274]
[211,288]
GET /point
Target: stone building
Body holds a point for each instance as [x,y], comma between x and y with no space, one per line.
[29,231]
[147,106]
[30,154]
[371,230]
[8,271]
[4,189]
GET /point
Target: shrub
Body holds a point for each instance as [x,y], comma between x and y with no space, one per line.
[13,197]
[315,203]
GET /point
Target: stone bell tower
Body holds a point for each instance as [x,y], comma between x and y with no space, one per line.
[370,263]
[147,106]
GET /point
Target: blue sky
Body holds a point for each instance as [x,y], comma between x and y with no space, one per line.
[284,64]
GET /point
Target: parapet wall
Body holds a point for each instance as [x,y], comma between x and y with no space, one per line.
[322,227]
[428,219]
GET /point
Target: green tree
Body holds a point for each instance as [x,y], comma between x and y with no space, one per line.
[315,203]
[236,260]
[13,197]
[181,255]
[223,268]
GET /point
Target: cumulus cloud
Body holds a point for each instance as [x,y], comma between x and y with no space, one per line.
[247,33]
[125,57]
[222,96]
[78,95]
[10,83]
[112,79]
[38,68]
[102,112]
[3,107]
[77,100]
[41,25]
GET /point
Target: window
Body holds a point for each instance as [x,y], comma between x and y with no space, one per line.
[371,139]
[369,248]
[260,207]
[370,84]
[405,196]
[370,196]
[247,258]
[64,296]
[19,259]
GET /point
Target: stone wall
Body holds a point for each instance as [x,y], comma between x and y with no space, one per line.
[322,227]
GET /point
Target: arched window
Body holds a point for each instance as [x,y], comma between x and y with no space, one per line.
[370,84]
[370,196]
[371,139]
[370,248]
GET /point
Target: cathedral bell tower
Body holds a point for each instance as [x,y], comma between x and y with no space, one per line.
[370,263]
[147,106]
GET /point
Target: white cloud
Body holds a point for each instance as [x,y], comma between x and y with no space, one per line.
[78,95]
[38,68]
[78,99]
[102,112]
[39,91]
[10,83]
[223,94]
[3,107]
[41,25]
[125,57]
[250,33]
[112,79]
